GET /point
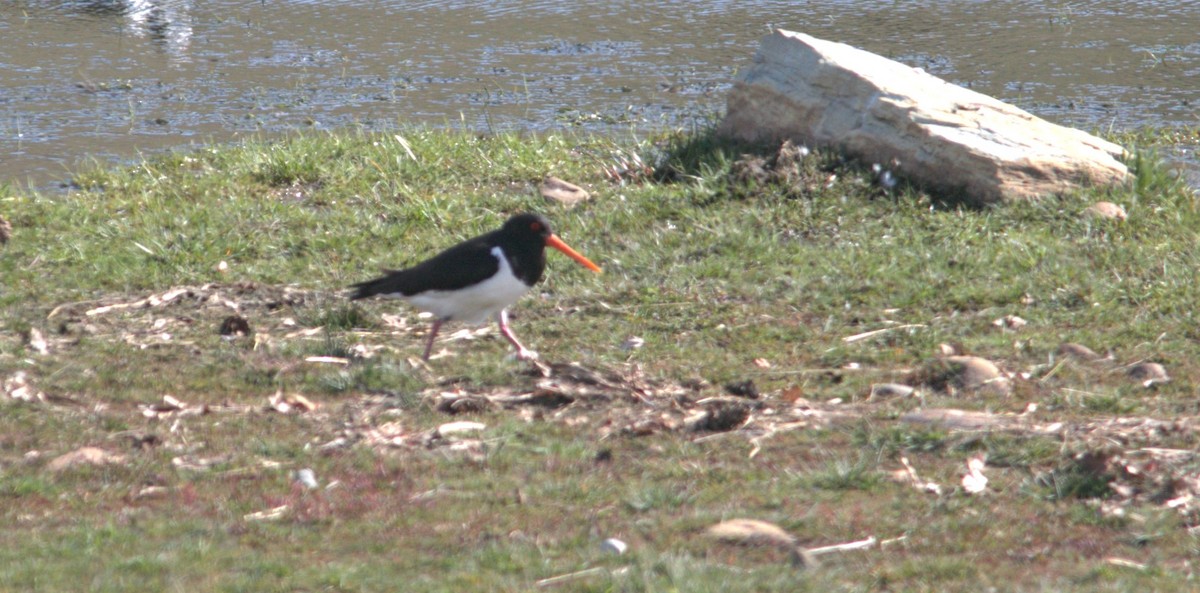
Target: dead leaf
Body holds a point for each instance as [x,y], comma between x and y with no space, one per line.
[94,456]
[558,580]
[718,416]
[632,343]
[468,334]
[462,403]
[908,475]
[306,478]
[154,300]
[169,404]
[974,482]
[554,189]
[151,492]
[753,532]
[304,333]
[271,514]
[1149,373]
[1107,210]
[878,332]
[746,389]
[197,464]
[461,427]
[792,394]
[890,390]
[613,545]
[1077,351]
[18,387]
[38,342]
[388,434]
[397,322]
[750,532]
[1125,563]
[945,349]
[235,326]
[172,403]
[290,402]
[968,373]
[957,419]
[5,230]
[1010,322]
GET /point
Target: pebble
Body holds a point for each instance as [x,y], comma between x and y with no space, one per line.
[614,546]
[1107,210]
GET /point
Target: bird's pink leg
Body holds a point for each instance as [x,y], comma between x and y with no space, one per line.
[437,324]
[523,353]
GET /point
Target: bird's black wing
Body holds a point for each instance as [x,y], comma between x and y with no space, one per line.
[462,265]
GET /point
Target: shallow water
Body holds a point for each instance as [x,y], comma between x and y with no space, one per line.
[109,79]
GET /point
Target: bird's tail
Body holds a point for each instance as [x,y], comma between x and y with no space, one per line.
[370,288]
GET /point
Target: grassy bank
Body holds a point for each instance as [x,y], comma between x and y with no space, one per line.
[114,296]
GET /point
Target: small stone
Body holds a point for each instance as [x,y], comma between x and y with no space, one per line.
[563,192]
[968,373]
[945,349]
[1107,210]
[461,427]
[1149,373]
[891,390]
[613,545]
[151,492]
[306,478]
[235,326]
[633,343]
[956,419]
[84,456]
[746,389]
[953,141]
[750,532]
[974,482]
[1078,351]
[1010,322]
[718,416]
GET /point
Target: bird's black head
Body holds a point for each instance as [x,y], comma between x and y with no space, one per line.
[531,233]
[528,224]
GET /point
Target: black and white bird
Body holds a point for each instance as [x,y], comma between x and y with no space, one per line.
[477,278]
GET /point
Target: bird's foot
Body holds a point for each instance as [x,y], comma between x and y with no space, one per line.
[525,354]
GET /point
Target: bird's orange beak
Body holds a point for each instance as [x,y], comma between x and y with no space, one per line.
[555,242]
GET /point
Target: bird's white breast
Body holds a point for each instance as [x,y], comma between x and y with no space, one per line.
[475,303]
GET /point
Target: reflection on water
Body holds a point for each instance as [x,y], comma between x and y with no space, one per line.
[166,23]
[108,78]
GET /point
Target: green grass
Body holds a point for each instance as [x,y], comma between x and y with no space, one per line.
[724,283]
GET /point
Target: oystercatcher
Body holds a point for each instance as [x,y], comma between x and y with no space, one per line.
[477,278]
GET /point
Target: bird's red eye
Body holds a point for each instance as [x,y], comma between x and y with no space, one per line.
[536,226]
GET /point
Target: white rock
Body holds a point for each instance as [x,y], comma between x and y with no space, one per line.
[1106,210]
[306,478]
[951,140]
[1149,373]
[891,390]
[614,546]
[1078,351]
[972,373]
[633,343]
[460,427]
[563,192]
